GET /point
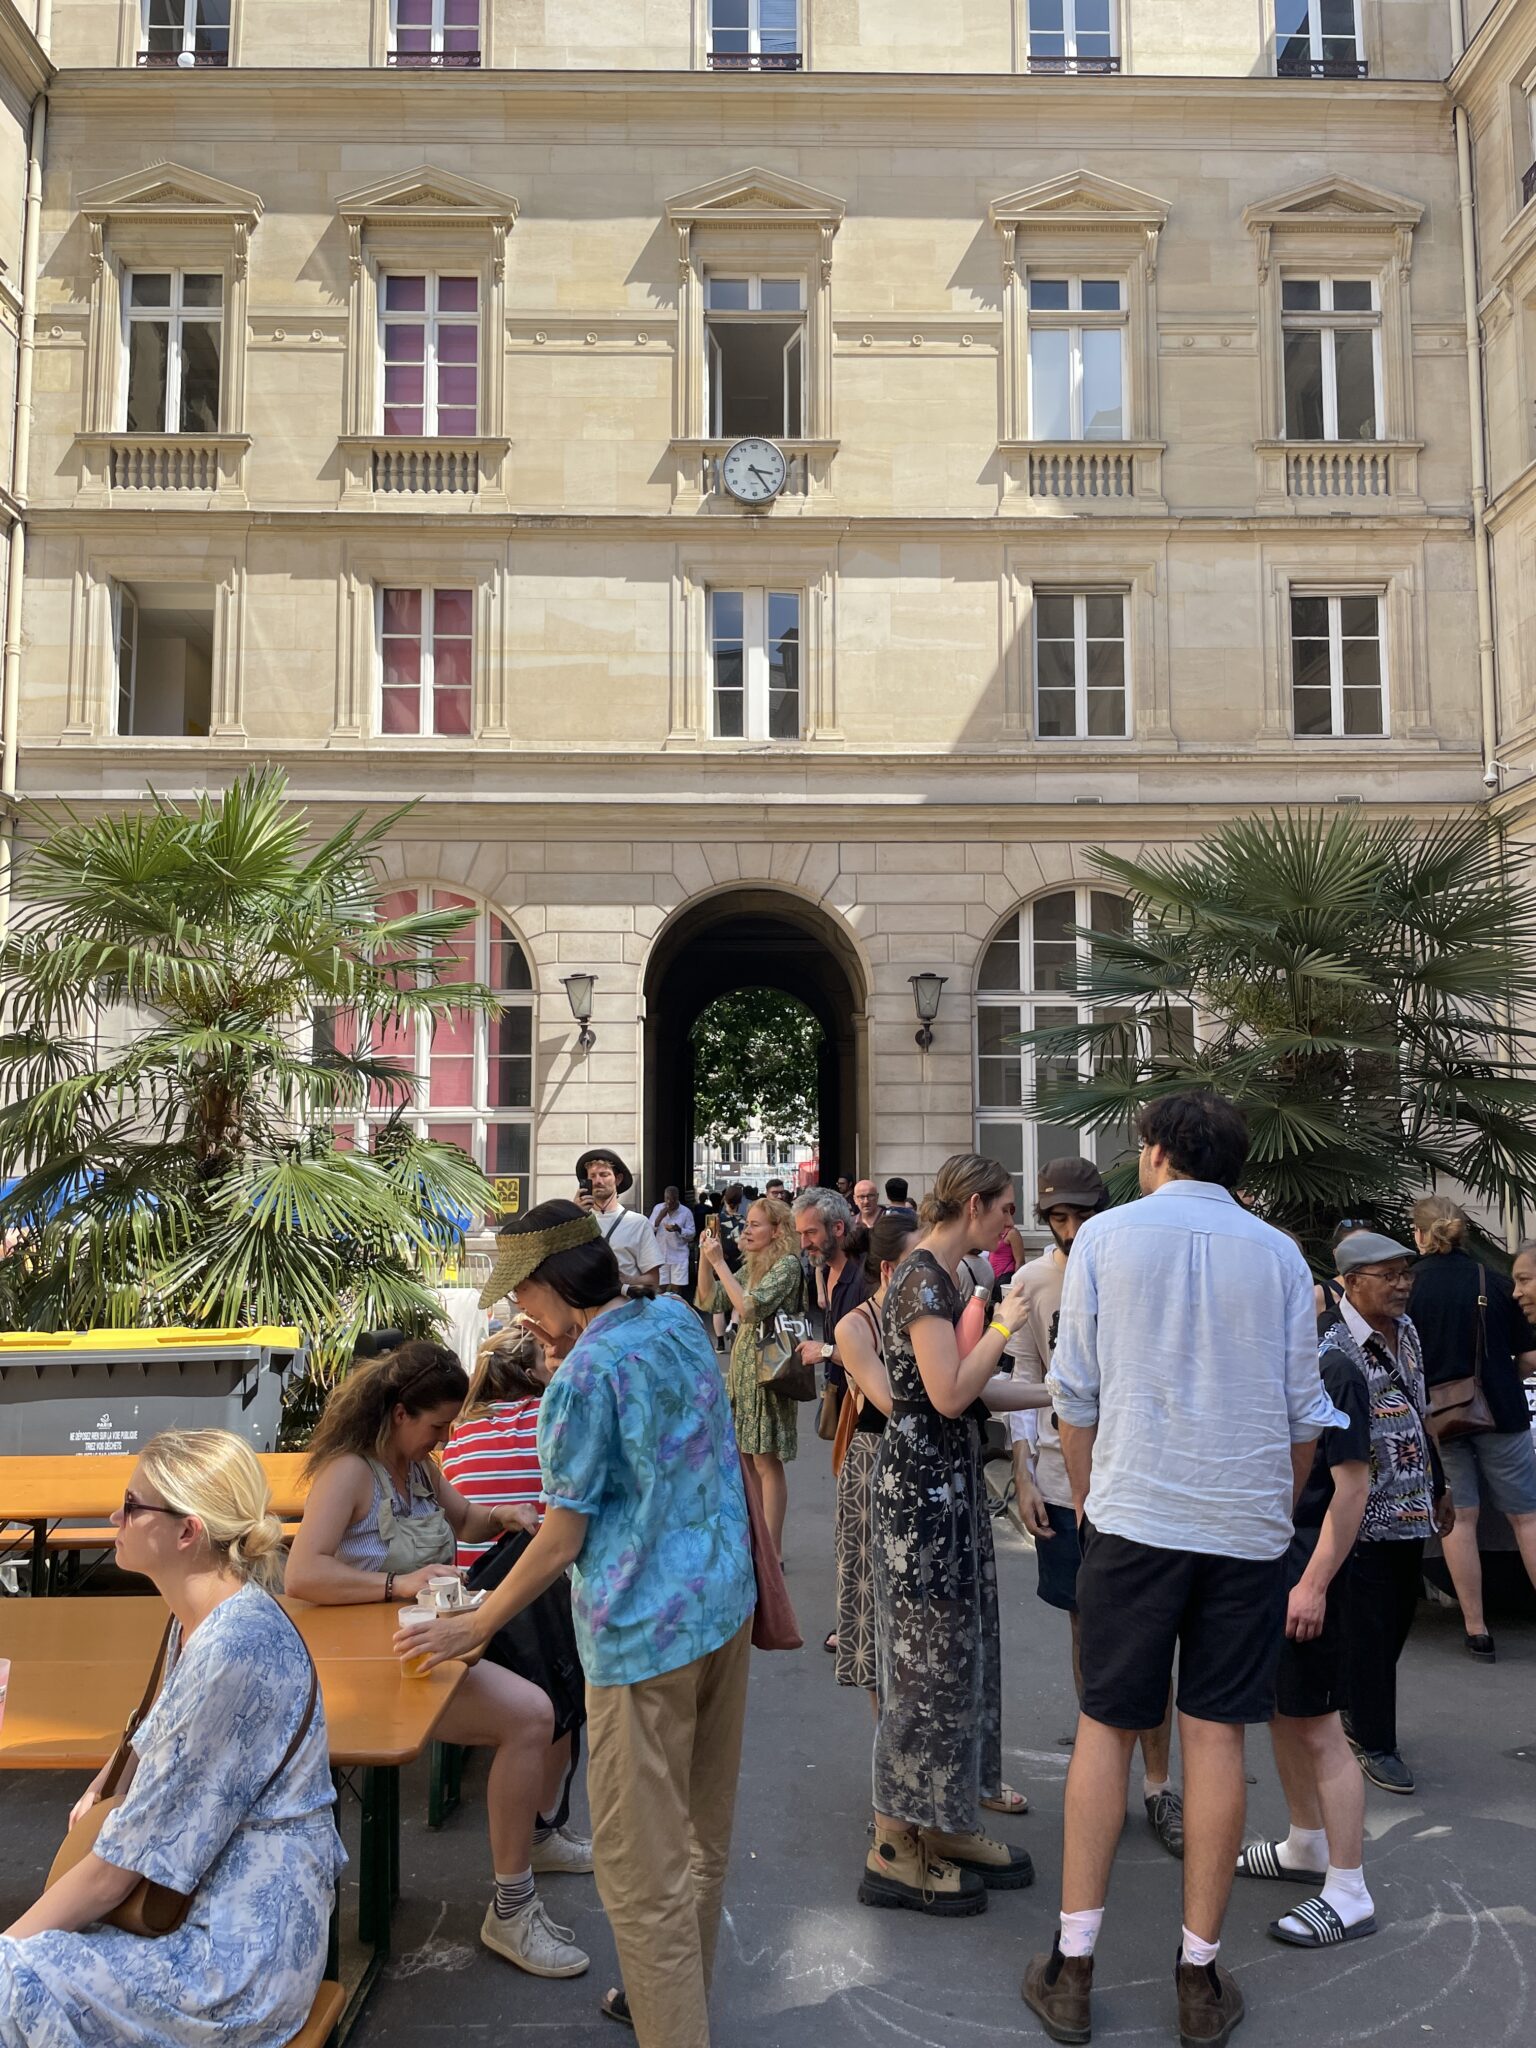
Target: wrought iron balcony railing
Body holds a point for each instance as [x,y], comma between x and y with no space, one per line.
[757,60]
[1081,67]
[183,60]
[1528,186]
[1287,66]
[435,60]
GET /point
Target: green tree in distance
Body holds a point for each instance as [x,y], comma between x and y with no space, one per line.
[1357,984]
[188,1175]
[754,1063]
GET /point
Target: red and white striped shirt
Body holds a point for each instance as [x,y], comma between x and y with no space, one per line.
[494,1459]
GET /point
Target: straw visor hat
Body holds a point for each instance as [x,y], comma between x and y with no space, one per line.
[522,1251]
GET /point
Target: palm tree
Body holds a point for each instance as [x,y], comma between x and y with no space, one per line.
[1356,985]
[170,1108]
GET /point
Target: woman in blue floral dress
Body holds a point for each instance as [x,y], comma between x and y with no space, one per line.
[203,1812]
[646,1507]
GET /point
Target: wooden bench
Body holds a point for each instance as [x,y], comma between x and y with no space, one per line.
[330,2001]
[103,1539]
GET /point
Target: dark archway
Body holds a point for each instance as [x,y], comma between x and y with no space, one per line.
[751,938]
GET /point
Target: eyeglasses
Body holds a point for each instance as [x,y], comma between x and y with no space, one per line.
[146,1507]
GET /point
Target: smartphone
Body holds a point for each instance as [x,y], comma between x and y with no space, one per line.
[711,1226]
[583,1187]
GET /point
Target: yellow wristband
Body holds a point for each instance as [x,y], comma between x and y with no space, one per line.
[1002,1330]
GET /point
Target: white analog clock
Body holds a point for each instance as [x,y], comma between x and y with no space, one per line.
[754,470]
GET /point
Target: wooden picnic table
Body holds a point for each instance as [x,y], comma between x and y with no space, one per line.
[40,1492]
[79,1667]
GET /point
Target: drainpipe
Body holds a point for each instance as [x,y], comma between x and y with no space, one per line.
[1482,546]
[10,686]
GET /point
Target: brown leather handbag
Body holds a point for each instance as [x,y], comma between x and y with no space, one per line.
[1460,1407]
[150,1908]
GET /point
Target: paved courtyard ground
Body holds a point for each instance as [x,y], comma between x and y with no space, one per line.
[802,1965]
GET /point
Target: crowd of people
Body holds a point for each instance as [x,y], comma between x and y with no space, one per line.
[1229,1472]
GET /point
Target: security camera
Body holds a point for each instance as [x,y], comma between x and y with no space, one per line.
[1491,775]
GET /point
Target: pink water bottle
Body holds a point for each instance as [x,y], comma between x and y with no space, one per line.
[973,1320]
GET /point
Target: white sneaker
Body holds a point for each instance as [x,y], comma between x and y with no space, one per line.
[562,1853]
[531,1940]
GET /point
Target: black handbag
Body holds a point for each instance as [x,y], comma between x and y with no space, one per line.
[540,1643]
[780,1368]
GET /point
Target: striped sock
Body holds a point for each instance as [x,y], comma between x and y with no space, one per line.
[513,1893]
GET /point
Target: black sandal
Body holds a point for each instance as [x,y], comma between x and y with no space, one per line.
[615,2006]
[830,1644]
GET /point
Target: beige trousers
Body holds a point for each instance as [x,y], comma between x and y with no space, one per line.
[662,1762]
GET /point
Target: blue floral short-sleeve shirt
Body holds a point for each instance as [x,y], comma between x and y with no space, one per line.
[635,1433]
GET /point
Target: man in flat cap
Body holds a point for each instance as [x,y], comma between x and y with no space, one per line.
[630,1237]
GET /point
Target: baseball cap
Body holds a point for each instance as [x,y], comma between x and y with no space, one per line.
[1071,1184]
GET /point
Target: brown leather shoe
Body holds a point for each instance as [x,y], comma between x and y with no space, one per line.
[1058,1990]
[1210,2004]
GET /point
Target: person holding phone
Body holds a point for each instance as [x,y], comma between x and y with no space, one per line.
[601,1178]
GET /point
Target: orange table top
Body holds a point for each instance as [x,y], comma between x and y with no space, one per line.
[75,1488]
[79,1668]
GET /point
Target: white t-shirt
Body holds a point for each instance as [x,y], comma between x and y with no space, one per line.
[632,1239]
[1030,1349]
[674,1232]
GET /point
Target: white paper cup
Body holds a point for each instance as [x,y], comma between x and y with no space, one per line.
[447,1594]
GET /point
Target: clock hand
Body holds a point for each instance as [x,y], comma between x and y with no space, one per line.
[761,474]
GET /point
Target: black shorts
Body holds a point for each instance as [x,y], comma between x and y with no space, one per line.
[1224,1615]
[1310,1680]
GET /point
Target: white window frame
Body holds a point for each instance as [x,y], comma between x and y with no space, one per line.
[755,31]
[1329,323]
[479,1114]
[430,319]
[189,27]
[1074,321]
[1069,25]
[1028,1001]
[426,692]
[754,663]
[1315,33]
[1080,595]
[1335,600]
[174,316]
[436,28]
[744,316]
[125,608]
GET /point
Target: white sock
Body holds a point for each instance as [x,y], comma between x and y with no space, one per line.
[1079,1932]
[1345,1891]
[1150,1791]
[1197,1951]
[1304,1849]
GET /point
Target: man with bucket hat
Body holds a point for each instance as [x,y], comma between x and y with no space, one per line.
[602,1177]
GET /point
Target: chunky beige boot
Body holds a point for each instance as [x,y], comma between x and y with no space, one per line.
[1000,1868]
[900,1871]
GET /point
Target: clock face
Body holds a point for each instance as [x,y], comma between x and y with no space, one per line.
[754,471]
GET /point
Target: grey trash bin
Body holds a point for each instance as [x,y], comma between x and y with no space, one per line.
[104,1391]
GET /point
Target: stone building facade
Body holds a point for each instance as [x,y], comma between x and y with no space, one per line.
[1116,354]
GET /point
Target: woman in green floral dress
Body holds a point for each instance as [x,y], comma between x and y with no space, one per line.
[768,1283]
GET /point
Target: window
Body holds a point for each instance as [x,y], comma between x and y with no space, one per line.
[431,354]
[1338,671]
[754,35]
[1528,181]
[174,322]
[426,661]
[1318,39]
[1080,668]
[473,1074]
[1332,343]
[754,652]
[185,33]
[436,35]
[163,640]
[1023,985]
[1072,35]
[1076,359]
[754,339]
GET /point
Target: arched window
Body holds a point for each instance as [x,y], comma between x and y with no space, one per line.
[1022,985]
[474,1074]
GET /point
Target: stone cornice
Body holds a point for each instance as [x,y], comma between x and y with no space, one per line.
[22,57]
[1503,38]
[1272,112]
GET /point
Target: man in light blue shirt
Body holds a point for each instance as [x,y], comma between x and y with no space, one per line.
[1188,1398]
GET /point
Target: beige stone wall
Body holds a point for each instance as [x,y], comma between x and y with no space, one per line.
[1174,38]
